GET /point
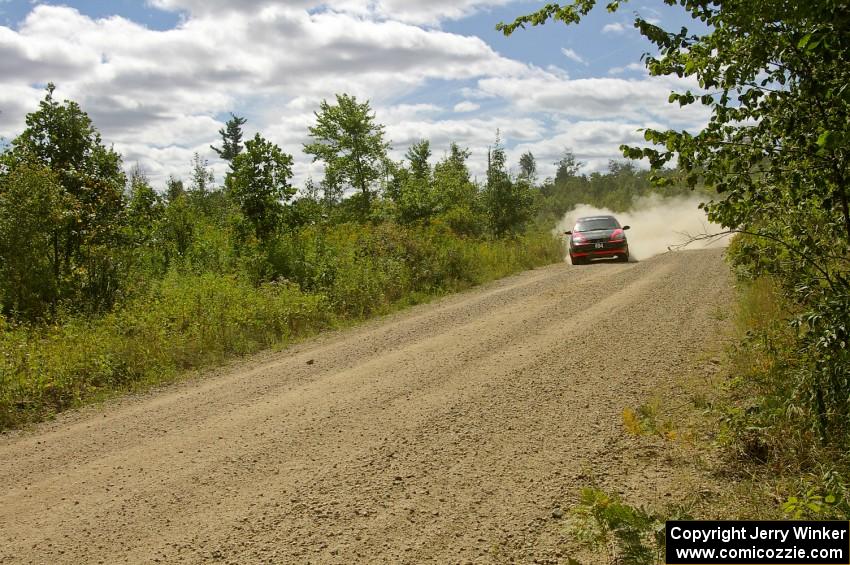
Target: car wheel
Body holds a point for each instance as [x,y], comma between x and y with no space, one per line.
[624,258]
[577,260]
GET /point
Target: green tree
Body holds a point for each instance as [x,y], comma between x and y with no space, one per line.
[309,207]
[528,167]
[61,137]
[260,182]
[417,156]
[332,189]
[457,197]
[231,138]
[351,144]
[452,180]
[202,176]
[144,207]
[174,188]
[32,213]
[177,229]
[567,166]
[415,198]
[508,203]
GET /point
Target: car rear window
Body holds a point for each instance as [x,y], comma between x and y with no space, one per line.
[592,224]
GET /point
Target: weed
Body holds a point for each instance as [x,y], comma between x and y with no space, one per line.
[629,535]
[646,421]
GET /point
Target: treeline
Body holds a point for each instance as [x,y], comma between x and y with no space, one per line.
[77,236]
[619,189]
[107,283]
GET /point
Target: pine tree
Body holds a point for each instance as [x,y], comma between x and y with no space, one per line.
[231,138]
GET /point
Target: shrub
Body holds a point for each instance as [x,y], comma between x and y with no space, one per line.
[184,322]
[197,315]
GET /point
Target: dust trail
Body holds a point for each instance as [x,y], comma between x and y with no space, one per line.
[656,224]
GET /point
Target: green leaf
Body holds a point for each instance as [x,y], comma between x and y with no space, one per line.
[827,139]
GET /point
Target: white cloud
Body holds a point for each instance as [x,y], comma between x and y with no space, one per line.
[16,100]
[631,67]
[616,27]
[160,96]
[164,89]
[596,98]
[466,106]
[573,56]
[428,12]
[593,142]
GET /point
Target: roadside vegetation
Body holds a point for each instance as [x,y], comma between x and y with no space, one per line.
[109,284]
[774,77]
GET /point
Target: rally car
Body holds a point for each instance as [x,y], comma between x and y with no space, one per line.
[598,236]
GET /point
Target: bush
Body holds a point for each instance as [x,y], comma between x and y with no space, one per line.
[365,269]
[189,319]
[184,322]
[770,423]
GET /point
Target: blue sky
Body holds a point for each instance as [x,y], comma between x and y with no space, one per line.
[159,77]
[14,11]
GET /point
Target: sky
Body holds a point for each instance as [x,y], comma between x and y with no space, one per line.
[160,77]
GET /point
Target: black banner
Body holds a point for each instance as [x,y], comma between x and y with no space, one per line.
[758,543]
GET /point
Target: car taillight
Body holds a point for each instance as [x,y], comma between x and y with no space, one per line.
[618,235]
[577,238]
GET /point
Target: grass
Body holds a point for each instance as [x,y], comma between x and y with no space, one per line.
[185,322]
[780,467]
[190,320]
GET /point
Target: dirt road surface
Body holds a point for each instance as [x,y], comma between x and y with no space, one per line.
[448,433]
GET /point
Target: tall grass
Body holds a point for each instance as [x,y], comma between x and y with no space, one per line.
[186,321]
[189,320]
[766,419]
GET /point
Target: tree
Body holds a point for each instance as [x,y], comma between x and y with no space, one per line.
[528,167]
[351,145]
[32,213]
[144,207]
[259,182]
[567,166]
[508,203]
[456,196]
[62,138]
[776,151]
[332,189]
[309,207]
[174,188]
[202,177]
[622,168]
[231,138]
[452,181]
[417,155]
[414,195]
[177,229]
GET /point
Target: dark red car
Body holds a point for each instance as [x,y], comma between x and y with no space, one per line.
[598,236]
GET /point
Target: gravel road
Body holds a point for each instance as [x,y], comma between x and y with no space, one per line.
[448,433]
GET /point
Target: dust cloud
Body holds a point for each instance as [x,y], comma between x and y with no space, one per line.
[657,224]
